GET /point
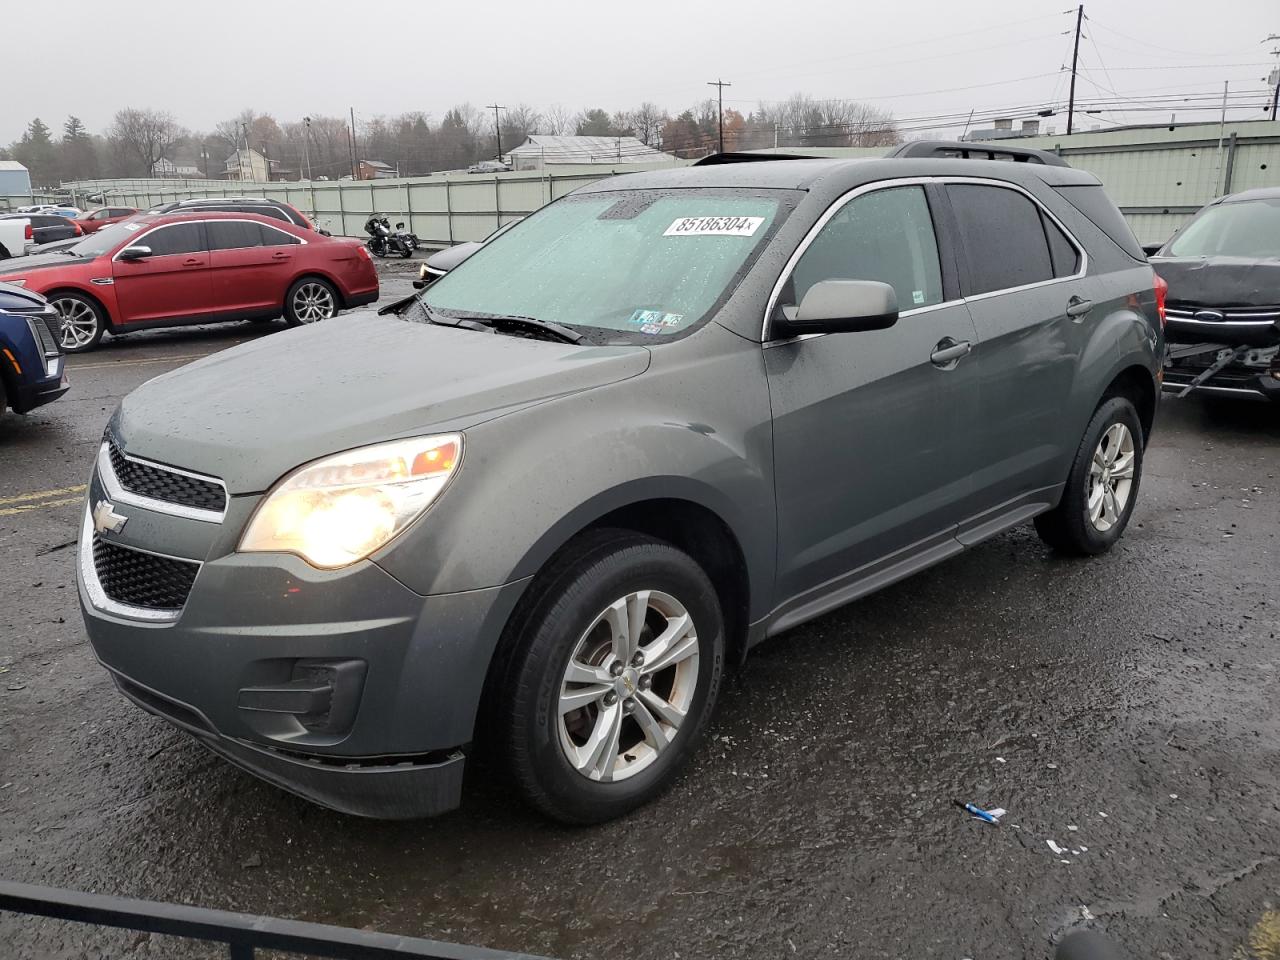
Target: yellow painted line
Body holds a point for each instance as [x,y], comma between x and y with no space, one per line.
[12,511]
[133,363]
[43,494]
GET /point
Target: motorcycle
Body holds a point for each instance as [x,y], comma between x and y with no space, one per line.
[383,241]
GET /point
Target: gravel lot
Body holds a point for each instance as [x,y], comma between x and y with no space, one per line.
[1124,708]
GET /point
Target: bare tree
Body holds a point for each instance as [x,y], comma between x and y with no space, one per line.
[145,136]
[646,121]
[804,121]
[558,120]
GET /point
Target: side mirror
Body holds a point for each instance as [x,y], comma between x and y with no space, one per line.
[400,225]
[1151,249]
[841,306]
[135,253]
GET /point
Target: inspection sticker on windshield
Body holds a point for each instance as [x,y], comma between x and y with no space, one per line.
[714,227]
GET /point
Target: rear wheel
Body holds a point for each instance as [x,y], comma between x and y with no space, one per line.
[1103,485]
[309,300]
[83,322]
[615,675]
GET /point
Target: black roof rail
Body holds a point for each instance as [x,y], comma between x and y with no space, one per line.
[976,151]
[713,159]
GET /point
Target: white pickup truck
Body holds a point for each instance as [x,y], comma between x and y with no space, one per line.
[13,236]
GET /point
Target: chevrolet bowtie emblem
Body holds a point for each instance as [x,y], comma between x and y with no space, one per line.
[106,519]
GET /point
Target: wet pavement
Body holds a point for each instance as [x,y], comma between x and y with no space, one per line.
[1124,708]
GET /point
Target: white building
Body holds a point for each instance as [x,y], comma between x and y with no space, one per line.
[541,150]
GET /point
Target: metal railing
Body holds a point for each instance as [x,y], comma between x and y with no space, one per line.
[242,933]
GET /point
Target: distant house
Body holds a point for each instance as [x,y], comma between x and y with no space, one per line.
[248,164]
[541,150]
[164,167]
[375,170]
[15,182]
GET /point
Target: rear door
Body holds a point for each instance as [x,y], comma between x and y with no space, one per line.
[1020,283]
[251,265]
[171,283]
[872,429]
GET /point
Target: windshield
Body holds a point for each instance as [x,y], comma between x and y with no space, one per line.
[1246,228]
[641,263]
[96,244]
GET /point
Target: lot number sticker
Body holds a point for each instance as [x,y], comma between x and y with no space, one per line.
[714,227]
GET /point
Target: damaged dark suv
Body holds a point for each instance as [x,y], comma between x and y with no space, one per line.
[1223,271]
[659,421]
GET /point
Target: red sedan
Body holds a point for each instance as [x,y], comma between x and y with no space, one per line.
[94,220]
[186,268]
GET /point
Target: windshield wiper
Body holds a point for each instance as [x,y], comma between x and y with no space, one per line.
[555,330]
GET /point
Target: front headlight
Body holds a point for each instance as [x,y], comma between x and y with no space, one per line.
[341,509]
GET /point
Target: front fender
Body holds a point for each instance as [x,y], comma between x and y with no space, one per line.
[698,430]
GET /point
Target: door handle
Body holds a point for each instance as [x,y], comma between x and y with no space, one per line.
[281,255]
[192,262]
[1077,307]
[948,352]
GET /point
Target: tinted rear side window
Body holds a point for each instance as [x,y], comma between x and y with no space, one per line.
[271,237]
[233,234]
[1094,203]
[1066,258]
[179,238]
[1002,235]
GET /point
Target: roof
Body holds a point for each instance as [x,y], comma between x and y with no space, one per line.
[378,163]
[588,150]
[12,165]
[1257,193]
[836,174]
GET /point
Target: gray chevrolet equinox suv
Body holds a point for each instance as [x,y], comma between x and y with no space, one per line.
[537,508]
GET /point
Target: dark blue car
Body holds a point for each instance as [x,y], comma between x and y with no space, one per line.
[31,362]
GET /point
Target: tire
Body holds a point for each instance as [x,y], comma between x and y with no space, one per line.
[571,618]
[1088,521]
[407,250]
[83,321]
[4,252]
[310,300]
[379,249]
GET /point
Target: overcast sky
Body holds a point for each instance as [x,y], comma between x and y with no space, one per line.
[919,59]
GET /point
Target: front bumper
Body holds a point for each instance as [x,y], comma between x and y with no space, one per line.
[28,396]
[344,687]
[1242,371]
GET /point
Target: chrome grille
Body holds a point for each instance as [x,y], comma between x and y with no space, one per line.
[160,483]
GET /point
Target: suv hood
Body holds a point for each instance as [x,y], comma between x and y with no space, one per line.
[1220,281]
[253,413]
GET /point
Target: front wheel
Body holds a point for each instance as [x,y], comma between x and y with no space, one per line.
[83,322]
[379,248]
[310,300]
[1102,487]
[615,674]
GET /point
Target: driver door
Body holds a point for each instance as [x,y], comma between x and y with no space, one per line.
[871,431]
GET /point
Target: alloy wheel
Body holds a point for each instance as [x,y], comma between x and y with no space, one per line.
[79,322]
[312,302]
[628,687]
[1110,480]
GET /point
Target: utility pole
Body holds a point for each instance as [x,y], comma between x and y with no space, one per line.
[355,173]
[720,85]
[306,144]
[497,124]
[1075,59]
[1274,78]
[244,129]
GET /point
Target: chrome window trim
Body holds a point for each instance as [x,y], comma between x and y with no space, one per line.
[866,188]
[98,598]
[118,493]
[136,241]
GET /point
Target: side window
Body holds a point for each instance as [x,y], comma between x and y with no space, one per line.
[1065,257]
[1003,236]
[271,237]
[232,234]
[174,239]
[274,212]
[885,235]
